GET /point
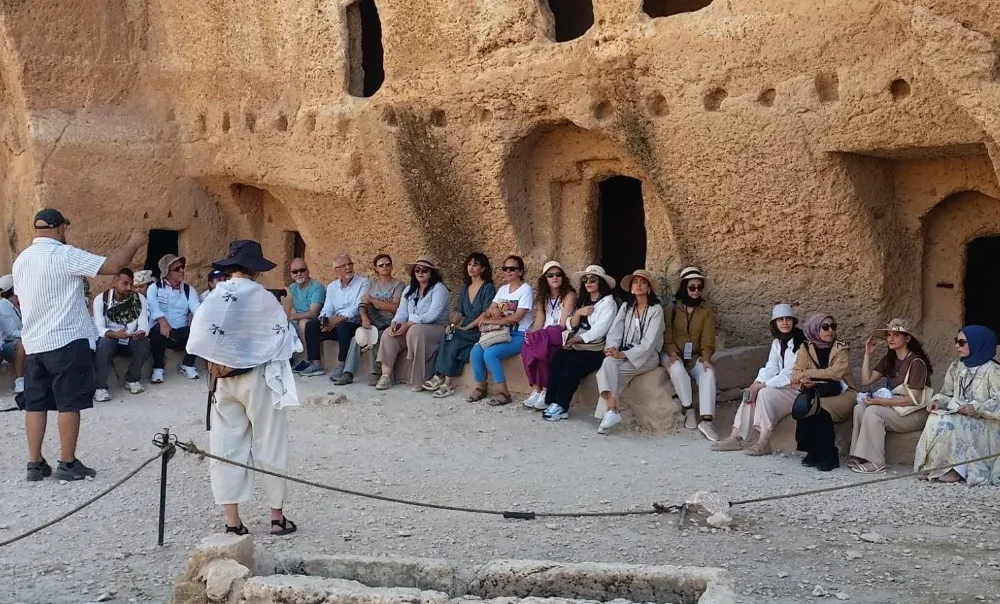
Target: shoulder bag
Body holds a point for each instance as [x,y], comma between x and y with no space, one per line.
[904,388]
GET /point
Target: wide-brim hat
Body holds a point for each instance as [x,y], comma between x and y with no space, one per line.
[648,276]
[143,277]
[424,260]
[245,253]
[597,271]
[896,326]
[552,264]
[781,311]
[366,338]
[693,272]
[168,260]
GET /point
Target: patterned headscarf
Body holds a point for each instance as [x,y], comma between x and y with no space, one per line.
[812,329]
[126,311]
[982,345]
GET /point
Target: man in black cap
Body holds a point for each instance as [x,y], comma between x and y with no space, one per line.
[50,277]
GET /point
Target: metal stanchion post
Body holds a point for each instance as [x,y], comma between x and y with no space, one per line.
[164,440]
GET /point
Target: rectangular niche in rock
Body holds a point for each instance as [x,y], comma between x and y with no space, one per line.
[573,18]
[666,8]
[365,72]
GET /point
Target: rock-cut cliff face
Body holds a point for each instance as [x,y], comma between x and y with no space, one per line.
[837,155]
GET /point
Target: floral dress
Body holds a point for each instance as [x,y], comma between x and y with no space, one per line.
[948,439]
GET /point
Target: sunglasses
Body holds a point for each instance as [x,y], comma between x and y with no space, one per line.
[554,275]
[510,269]
[299,271]
[590,279]
[383,265]
[828,327]
[420,270]
[961,342]
[695,288]
[178,269]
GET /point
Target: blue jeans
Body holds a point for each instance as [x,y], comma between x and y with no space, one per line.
[492,358]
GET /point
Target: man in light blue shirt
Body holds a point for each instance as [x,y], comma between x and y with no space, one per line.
[339,318]
[172,303]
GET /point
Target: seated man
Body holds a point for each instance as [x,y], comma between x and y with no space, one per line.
[339,319]
[172,303]
[10,331]
[122,322]
[304,300]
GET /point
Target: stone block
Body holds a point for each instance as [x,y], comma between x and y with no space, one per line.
[736,368]
[219,545]
[419,573]
[287,589]
[223,577]
[647,404]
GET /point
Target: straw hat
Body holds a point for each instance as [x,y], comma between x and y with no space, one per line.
[423,260]
[597,271]
[648,276]
[693,272]
[552,264]
[896,326]
[781,311]
[366,338]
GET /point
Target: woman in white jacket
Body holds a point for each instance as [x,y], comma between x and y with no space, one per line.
[633,346]
[586,331]
[770,397]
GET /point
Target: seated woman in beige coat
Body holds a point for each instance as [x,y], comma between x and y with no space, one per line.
[823,368]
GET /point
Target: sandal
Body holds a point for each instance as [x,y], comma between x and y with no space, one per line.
[237,530]
[287,526]
[500,399]
[433,384]
[477,395]
[867,468]
[444,391]
[757,449]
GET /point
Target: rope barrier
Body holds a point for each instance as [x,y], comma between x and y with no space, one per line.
[85,504]
[658,508]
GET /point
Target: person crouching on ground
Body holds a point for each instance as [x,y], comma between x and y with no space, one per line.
[769,399]
[554,301]
[633,346]
[417,327]
[244,334]
[689,346]
[122,322]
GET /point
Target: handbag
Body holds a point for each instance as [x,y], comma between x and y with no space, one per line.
[595,346]
[904,388]
[494,336]
[807,404]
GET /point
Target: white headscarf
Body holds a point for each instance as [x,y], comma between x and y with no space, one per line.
[242,325]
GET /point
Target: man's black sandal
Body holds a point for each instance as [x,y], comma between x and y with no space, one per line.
[287,526]
[239,530]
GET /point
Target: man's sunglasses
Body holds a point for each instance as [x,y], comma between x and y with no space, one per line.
[828,327]
[299,271]
[178,269]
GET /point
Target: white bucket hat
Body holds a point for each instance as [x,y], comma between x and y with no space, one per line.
[782,310]
[366,338]
[597,271]
[693,272]
[143,277]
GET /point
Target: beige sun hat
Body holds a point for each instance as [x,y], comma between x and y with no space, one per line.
[597,271]
[693,272]
[143,277]
[897,325]
[366,338]
[423,260]
[552,264]
[166,261]
[648,276]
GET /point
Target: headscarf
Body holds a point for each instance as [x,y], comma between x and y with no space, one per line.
[682,294]
[126,311]
[812,329]
[795,336]
[982,345]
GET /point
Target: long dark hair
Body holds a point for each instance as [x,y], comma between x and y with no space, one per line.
[482,261]
[916,348]
[414,291]
[603,289]
[542,291]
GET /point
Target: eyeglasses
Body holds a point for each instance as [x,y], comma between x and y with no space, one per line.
[695,288]
[299,271]
[420,270]
[179,269]
[590,279]
[828,327]
[554,275]
[961,342]
[510,269]
[383,265]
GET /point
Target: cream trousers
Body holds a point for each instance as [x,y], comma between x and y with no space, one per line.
[247,428]
[681,379]
[772,405]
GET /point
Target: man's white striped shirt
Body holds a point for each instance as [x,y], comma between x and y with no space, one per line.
[49,280]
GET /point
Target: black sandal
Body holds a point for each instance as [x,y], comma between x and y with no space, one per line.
[287,526]
[238,530]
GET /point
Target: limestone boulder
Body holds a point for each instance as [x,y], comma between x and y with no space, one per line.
[736,368]
[294,589]
[224,578]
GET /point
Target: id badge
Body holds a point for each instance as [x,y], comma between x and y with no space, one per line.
[124,341]
[688,350]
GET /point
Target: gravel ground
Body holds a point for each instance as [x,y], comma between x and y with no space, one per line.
[940,542]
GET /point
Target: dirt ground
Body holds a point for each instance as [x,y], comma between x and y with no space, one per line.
[940,544]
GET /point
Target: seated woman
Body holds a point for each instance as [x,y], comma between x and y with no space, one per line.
[689,345]
[417,327]
[632,347]
[378,306]
[769,399]
[822,368]
[554,301]
[583,350]
[462,334]
[511,309]
[907,371]
[965,419]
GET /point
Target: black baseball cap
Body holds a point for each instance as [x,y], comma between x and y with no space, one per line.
[49,219]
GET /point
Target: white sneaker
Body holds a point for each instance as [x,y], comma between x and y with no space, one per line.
[611,419]
[134,387]
[157,377]
[540,403]
[690,419]
[530,401]
[18,385]
[706,428]
[101,395]
[189,372]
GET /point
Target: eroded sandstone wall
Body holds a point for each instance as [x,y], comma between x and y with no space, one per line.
[797,150]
